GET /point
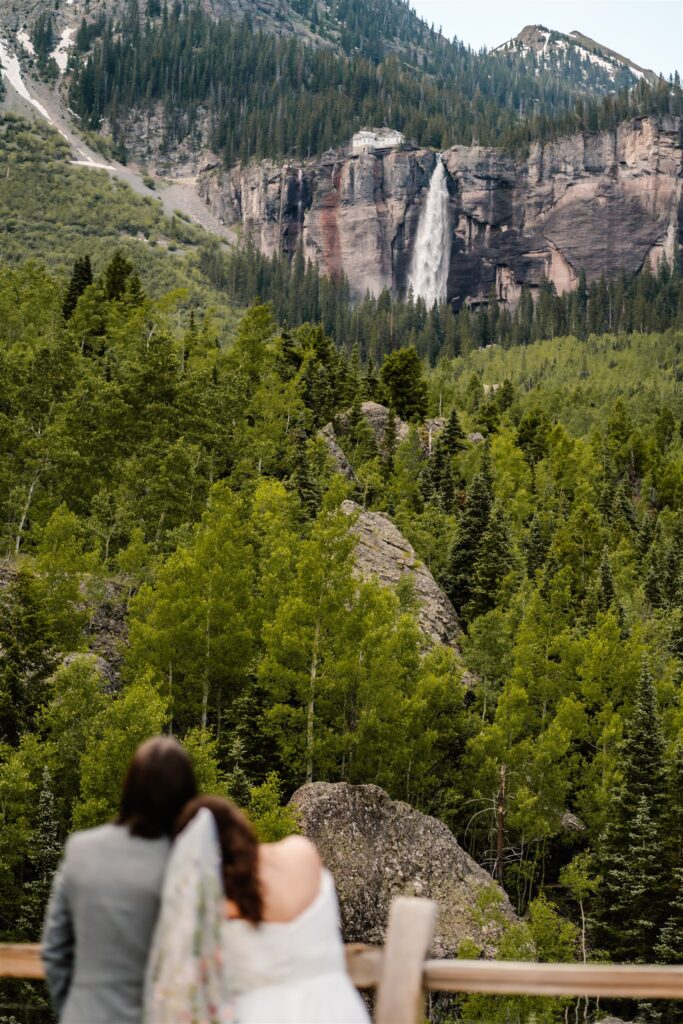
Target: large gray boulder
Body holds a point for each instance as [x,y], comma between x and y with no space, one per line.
[378,848]
[384,554]
[377,417]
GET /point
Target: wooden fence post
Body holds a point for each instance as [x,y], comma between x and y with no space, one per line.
[400,993]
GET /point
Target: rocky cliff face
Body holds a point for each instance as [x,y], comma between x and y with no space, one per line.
[378,848]
[384,554]
[596,202]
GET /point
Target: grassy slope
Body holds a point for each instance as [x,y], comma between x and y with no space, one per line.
[53,211]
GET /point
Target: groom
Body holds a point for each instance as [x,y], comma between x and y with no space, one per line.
[105,895]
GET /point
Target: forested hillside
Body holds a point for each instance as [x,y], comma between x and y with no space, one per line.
[248,93]
[375,326]
[162,478]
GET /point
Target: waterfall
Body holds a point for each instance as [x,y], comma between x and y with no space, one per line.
[428,272]
[300,194]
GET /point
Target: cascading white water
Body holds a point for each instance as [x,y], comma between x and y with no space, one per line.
[428,274]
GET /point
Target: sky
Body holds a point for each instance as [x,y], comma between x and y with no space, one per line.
[649,32]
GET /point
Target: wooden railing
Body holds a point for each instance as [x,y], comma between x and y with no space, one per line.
[400,973]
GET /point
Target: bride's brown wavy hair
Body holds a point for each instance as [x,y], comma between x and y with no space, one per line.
[239,850]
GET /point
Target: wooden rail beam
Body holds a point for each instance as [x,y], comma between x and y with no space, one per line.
[20,961]
[367,968]
[364,964]
[500,977]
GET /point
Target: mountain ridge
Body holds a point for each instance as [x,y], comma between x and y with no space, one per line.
[545,43]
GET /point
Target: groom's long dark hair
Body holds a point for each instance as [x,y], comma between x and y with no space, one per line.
[239,852]
[159,783]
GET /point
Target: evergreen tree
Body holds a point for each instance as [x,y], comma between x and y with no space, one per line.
[632,854]
[651,584]
[44,857]
[536,546]
[607,596]
[453,437]
[361,442]
[674,816]
[404,384]
[669,948]
[389,444]
[438,482]
[471,528]
[116,276]
[370,382]
[81,277]
[28,654]
[304,482]
[494,560]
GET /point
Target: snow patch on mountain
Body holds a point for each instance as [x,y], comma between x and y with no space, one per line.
[11,71]
[61,51]
[546,44]
[25,40]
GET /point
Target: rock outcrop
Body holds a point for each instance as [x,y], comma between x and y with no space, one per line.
[378,848]
[106,631]
[589,201]
[377,416]
[336,452]
[384,554]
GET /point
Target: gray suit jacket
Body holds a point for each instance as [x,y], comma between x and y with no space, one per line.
[99,924]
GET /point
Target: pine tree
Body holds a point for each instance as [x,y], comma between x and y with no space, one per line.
[81,277]
[28,654]
[370,382]
[494,561]
[453,437]
[651,584]
[116,276]
[404,384]
[362,443]
[669,947]
[438,482]
[674,816]
[505,395]
[471,529]
[606,590]
[536,546]
[44,858]
[389,444]
[303,480]
[622,507]
[632,854]
[134,291]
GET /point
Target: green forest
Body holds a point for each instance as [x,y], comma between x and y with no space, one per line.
[174,556]
[250,94]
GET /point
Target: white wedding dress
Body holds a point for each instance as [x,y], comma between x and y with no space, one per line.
[206,969]
[293,972]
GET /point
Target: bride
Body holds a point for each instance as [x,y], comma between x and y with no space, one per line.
[247,932]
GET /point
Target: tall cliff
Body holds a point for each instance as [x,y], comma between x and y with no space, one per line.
[590,201]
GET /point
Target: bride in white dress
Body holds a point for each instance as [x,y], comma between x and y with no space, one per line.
[247,932]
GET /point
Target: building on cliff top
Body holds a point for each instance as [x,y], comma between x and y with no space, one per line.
[370,140]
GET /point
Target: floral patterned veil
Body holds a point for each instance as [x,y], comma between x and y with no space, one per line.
[184,981]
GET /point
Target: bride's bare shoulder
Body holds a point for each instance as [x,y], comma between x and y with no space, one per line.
[292,853]
[290,873]
[300,847]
